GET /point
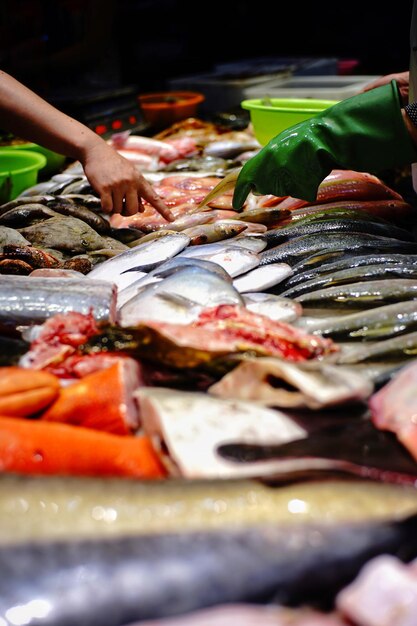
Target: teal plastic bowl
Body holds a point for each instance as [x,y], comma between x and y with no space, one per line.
[54,160]
[18,170]
[271,116]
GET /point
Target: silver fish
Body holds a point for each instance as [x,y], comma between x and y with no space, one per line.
[235,260]
[149,253]
[179,298]
[362,273]
[361,294]
[275,307]
[380,322]
[255,241]
[31,300]
[109,582]
[299,248]
[167,269]
[351,263]
[262,277]
[397,349]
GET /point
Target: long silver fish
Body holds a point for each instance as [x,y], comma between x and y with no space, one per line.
[365,294]
[279,235]
[348,262]
[361,273]
[110,582]
[299,248]
[27,300]
[142,255]
[380,322]
[396,349]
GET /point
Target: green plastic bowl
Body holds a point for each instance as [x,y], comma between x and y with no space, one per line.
[18,170]
[269,120]
[54,160]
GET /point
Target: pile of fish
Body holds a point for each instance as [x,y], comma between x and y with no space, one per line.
[251,373]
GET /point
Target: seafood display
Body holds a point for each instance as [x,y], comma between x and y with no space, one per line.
[210,420]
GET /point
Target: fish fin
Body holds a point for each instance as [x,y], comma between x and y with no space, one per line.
[177,298]
[141,268]
[228,182]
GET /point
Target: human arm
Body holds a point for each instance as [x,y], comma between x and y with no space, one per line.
[117,181]
[367,132]
[401,78]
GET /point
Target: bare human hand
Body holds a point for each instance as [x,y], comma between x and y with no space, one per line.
[402,79]
[118,182]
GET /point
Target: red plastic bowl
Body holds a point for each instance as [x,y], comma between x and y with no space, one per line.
[165,108]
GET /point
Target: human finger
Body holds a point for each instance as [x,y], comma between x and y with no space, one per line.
[106,201]
[118,196]
[148,193]
[132,203]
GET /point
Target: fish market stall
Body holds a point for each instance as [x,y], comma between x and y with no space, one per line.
[210,420]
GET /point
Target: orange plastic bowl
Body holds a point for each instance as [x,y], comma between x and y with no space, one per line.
[165,108]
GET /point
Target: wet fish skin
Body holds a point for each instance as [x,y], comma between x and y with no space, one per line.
[397,349]
[31,300]
[209,233]
[26,214]
[280,235]
[378,323]
[364,294]
[137,578]
[235,259]
[150,253]
[73,209]
[179,298]
[272,306]
[10,236]
[346,262]
[304,246]
[261,278]
[167,269]
[19,201]
[360,273]
[68,234]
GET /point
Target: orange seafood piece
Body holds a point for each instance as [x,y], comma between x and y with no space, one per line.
[25,392]
[102,400]
[39,447]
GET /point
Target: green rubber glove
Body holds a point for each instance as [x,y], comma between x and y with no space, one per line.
[365,133]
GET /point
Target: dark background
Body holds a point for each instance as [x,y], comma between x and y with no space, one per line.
[74,45]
